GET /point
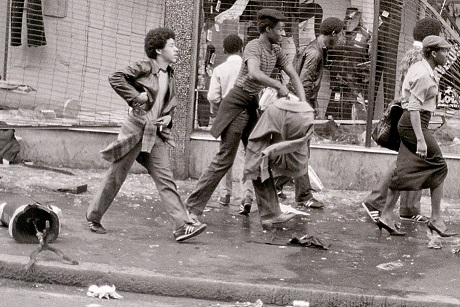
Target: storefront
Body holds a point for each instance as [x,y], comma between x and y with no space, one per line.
[361,76]
[347,75]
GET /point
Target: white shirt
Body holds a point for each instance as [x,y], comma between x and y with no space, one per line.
[223,78]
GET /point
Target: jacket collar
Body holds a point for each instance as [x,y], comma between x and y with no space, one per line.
[156,68]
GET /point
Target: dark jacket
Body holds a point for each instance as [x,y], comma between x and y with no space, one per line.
[310,69]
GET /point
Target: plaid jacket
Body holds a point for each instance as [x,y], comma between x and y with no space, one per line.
[129,83]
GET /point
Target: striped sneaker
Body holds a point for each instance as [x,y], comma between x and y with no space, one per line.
[188,231]
[415,218]
[371,212]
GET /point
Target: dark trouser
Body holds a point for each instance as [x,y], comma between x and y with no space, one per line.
[409,200]
[302,186]
[35,27]
[266,198]
[221,163]
[158,167]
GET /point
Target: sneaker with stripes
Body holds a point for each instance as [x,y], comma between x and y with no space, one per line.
[374,214]
[188,231]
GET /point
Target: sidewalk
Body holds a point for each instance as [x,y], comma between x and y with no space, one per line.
[233,260]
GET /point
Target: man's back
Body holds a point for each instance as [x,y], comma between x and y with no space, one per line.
[223,78]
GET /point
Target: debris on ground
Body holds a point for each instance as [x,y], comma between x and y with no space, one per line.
[435,240]
[390,265]
[258,303]
[101,292]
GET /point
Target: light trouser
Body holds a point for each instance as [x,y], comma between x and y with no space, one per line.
[246,186]
[158,167]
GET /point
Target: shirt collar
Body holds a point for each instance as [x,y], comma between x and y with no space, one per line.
[156,68]
[428,67]
[233,58]
[417,44]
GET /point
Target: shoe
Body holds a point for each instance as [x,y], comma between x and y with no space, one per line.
[224,200]
[96,227]
[194,219]
[392,231]
[281,195]
[280,218]
[415,218]
[371,212]
[245,207]
[441,233]
[311,203]
[188,231]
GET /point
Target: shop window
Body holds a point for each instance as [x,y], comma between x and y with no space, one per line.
[345,81]
[345,87]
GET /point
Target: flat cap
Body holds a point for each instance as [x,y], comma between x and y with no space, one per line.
[435,41]
[271,13]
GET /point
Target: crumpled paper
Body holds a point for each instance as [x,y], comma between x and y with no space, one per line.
[289,209]
[435,240]
[101,292]
[309,241]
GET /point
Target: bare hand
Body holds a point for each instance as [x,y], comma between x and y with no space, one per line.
[421,149]
[283,91]
[163,121]
[140,102]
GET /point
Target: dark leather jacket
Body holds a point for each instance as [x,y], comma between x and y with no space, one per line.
[129,83]
[310,68]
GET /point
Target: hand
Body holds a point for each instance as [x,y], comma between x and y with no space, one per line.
[421,149]
[283,91]
[163,121]
[360,99]
[140,102]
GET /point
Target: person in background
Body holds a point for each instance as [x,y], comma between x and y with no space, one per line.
[310,64]
[222,80]
[409,200]
[237,114]
[420,163]
[148,87]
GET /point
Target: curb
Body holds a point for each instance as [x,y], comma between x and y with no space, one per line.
[129,279]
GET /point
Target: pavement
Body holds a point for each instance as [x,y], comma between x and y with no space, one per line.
[234,260]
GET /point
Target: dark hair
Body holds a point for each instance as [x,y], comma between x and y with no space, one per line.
[156,39]
[425,27]
[331,25]
[232,44]
[427,51]
[266,22]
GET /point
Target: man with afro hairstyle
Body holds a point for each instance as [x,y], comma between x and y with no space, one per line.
[409,200]
[148,87]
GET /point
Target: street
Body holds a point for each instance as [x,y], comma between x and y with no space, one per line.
[18,293]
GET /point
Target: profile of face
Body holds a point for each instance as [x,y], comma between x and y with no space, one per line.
[275,35]
[333,39]
[170,52]
[440,56]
